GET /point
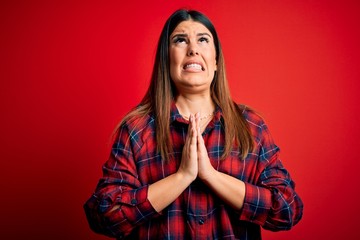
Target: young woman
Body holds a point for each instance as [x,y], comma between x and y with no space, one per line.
[188,162]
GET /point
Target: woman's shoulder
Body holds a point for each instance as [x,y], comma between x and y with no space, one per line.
[136,122]
[134,129]
[252,116]
[257,125]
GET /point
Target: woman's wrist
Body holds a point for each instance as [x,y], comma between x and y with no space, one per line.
[185,177]
[208,175]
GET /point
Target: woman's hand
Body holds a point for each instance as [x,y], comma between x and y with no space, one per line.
[206,170]
[162,192]
[195,160]
[189,163]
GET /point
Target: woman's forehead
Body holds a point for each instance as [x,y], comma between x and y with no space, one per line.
[190,27]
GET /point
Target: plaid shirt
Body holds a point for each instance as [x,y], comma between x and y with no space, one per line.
[270,199]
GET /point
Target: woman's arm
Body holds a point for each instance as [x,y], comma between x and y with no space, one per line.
[121,202]
[231,190]
[166,190]
[271,201]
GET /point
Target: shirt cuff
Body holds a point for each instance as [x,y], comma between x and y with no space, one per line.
[257,204]
[137,199]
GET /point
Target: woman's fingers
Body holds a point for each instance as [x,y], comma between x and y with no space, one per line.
[193,133]
[197,122]
[205,168]
[189,165]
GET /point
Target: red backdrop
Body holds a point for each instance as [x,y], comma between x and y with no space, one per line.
[69,71]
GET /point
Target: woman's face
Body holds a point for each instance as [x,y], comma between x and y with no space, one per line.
[192,57]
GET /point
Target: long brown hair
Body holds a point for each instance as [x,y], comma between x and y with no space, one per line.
[160,94]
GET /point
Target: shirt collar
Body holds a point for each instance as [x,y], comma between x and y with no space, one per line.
[175,114]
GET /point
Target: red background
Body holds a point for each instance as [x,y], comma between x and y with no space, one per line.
[69,71]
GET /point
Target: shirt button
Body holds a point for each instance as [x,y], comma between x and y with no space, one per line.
[201,221]
[133,201]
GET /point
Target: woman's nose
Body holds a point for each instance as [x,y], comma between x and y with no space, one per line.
[192,50]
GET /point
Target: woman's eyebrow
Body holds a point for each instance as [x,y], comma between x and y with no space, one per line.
[202,34]
[186,35]
[179,35]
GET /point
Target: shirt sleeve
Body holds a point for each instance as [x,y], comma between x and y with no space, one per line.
[272,201]
[120,201]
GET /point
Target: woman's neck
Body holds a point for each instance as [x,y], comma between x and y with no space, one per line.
[191,104]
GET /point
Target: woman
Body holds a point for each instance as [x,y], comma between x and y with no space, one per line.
[189,163]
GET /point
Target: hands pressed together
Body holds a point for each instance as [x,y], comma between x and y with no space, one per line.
[195,161]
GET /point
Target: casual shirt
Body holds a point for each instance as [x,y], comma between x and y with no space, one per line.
[134,163]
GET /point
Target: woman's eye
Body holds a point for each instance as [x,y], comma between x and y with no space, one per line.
[179,40]
[203,39]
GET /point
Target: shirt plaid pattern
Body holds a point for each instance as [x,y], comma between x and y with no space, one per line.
[134,163]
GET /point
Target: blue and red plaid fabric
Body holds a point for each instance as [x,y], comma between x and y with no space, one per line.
[270,201]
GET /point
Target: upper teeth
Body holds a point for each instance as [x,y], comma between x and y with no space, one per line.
[194,65]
